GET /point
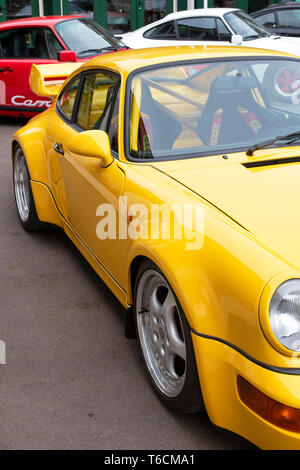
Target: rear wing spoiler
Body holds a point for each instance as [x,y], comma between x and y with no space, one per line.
[47,79]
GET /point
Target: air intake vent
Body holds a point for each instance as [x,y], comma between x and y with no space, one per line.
[274,161]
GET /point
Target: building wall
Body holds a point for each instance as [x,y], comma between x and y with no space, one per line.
[138,9]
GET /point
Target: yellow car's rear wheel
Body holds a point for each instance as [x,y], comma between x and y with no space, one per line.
[165,341]
[23,193]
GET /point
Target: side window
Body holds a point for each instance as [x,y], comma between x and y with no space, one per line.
[224,33]
[197,29]
[53,44]
[97,101]
[164,31]
[67,98]
[268,20]
[24,43]
[114,125]
[289,18]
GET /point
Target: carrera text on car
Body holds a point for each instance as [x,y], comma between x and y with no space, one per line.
[44,40]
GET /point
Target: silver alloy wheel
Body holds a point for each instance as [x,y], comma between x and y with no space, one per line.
[161,333]
[21,185]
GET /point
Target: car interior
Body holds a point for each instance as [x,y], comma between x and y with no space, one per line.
[210,108]
[24,43]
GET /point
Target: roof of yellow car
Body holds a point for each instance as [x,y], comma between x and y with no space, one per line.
[133,59]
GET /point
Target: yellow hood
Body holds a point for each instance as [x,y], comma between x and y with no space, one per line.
[265,199]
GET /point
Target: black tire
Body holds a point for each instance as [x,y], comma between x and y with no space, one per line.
[186,396]
[23,194]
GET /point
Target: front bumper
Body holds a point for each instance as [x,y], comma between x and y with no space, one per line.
[219,365]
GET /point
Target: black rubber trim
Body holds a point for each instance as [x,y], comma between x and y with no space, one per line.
[274,161]
[22,109]
[279,370]
[200,195]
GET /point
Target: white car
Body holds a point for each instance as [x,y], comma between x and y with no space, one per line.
[209,26]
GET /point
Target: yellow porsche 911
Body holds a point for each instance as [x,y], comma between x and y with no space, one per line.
[176,172]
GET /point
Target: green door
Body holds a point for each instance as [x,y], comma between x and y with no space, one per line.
[121,16]
[2,10]
[154,10]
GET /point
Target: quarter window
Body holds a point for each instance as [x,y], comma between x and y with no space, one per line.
[289,18]
[267,20]
[224,33]
[67,98]
[198,29]
[98,105]
[53,44]
[164,31]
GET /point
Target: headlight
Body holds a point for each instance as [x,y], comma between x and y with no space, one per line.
[284,314]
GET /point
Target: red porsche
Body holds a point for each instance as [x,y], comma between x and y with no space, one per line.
[44,40]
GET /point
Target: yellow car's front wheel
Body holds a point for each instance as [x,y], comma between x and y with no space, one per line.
[165,341]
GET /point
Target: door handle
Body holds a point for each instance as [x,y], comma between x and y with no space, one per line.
[6,69]
[59,148]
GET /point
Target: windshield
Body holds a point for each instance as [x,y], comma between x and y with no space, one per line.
[245,26]
[206,108]
[85,37]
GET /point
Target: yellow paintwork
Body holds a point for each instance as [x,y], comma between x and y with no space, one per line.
[46,80]
[225,287]
[93,143]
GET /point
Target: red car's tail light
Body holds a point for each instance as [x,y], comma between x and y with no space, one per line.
[283,416]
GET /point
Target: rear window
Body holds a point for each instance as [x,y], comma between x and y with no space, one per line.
[164,31]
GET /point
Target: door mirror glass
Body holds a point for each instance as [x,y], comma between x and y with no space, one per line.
[93,143]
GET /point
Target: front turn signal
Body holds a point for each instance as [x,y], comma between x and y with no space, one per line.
[283,416]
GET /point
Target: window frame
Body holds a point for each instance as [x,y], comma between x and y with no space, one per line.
[274,12]
[38,27]
[72,122]
[91,72]
[57,37]
[62,115]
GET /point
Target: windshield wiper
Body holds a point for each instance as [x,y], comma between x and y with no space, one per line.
[98,51]
[257,36]
[289,137]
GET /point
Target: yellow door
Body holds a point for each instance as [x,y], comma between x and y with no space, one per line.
[92,192]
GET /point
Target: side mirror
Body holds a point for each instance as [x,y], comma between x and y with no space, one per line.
[66,56]
[92,144]
[236,39]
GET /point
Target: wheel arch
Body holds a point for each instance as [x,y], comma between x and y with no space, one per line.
[35,156]
[162,265]
[33,148]
[133,270]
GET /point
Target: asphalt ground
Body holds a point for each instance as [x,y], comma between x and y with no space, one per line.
[72,380]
